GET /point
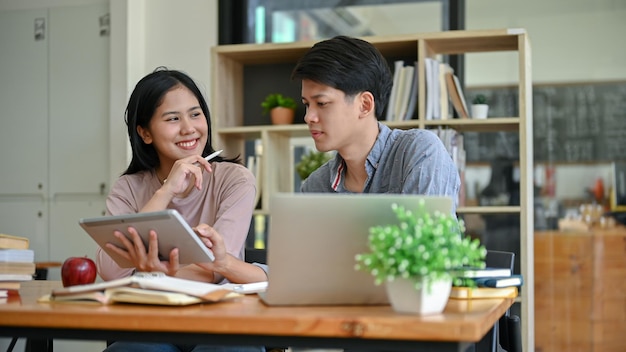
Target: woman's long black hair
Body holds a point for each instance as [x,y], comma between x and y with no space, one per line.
[145,99]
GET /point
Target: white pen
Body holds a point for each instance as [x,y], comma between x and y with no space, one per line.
[210,156]
[213,155]
[207,158]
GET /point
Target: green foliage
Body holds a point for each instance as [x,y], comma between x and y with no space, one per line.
[480,99]
[310,162]
[421,245]
[275,100]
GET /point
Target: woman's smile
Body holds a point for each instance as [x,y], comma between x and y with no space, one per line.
[188,145]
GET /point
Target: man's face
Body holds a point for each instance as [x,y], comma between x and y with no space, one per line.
[332,117]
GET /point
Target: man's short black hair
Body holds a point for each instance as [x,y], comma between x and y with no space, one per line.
[351,65]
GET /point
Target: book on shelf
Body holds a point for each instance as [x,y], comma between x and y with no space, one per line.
[403,97]
[17,268]
[453,142]
[459,159]
[13,242]
[471,272]
[482,292]
[413,94]
[501,281]
[444,99]
[455,91]
[397,70]
[431,87]
[404,92]
[151,288]
[17,255]
[253,163]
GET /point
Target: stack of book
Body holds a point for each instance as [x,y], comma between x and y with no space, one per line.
[17,263]
[487,283]
[403,96]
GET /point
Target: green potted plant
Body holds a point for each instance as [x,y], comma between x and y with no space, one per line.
[310,162]
[415,258]
[480,108]
[281,108]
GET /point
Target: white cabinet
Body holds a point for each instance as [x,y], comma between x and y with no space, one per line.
[24,104]
[54,152]
[79,101]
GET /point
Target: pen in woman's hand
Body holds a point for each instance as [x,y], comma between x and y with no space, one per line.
[207,158]
[212,155]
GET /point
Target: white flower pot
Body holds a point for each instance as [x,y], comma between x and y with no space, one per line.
[405,298]
[479,111]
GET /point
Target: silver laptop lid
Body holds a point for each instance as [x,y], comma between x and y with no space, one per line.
[313,239]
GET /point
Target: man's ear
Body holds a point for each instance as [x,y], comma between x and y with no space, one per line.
[366,104]
[144,134]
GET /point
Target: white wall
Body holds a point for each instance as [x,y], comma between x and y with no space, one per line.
[177,34]
[572,40]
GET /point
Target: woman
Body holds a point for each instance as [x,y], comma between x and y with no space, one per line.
[169,130]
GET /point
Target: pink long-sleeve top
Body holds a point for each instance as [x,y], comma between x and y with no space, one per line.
[225,203]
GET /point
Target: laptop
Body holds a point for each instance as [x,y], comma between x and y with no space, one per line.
[313,239]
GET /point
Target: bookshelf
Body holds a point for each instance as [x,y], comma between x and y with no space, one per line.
[235,119]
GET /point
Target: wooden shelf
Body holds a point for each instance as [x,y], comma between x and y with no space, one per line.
[489,210]
[254,132]
[234,103]
[510,124]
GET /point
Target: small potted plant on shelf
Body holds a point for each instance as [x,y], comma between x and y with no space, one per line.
[480,107]
[311,162]
[415,258]
[281,108]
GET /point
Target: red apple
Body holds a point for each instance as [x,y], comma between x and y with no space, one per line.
[78,271]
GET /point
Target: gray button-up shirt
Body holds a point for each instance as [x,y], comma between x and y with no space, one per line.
[402,161]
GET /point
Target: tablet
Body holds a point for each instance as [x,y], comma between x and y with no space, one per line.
[172,230]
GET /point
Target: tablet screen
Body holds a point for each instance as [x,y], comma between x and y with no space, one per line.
[172,232]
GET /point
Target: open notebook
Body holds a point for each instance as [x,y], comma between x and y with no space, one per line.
[313,239]
[151,288]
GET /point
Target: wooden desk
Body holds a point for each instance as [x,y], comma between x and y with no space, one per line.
[247,320]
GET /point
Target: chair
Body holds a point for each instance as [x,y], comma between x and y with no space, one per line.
[506,335]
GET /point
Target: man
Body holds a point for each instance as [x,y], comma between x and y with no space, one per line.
[346,84]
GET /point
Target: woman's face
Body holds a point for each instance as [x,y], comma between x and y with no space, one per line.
[178,127]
